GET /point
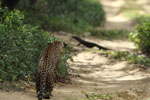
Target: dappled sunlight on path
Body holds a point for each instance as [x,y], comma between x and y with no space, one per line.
[97,70]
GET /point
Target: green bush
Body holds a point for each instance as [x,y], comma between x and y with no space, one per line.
[142,19]
[63,66]
[66,15]
[141,36]
[21,45]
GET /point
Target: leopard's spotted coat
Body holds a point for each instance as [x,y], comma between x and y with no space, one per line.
[46,70]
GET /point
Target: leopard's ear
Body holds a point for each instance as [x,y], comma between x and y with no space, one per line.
[65,44]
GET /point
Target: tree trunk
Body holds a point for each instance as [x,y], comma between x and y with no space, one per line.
[32,3]
[9,3]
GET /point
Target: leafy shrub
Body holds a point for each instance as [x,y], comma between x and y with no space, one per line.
[141,36]
[63,66]
[66,15]
[20,46]
[110,34]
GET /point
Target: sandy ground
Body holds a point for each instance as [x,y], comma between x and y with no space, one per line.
[91,71]
[116,20]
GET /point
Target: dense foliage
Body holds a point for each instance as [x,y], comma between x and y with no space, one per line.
[66,15]
[143,19]
[21,45]
[141,36]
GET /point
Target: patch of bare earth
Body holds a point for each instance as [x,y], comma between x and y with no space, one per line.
[115,19]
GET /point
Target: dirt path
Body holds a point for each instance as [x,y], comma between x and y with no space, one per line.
[115,19]
[91,71]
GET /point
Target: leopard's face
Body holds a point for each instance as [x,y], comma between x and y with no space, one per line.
[57,46]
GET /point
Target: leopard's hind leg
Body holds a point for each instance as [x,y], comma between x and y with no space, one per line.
[42,87]
[49,85]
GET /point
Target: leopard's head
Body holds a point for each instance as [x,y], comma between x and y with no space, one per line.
[57,45]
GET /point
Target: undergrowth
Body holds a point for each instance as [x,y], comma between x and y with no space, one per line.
[132,58]
[126,56]
[75,16]
[98,96]
[110,34]
[21,45]
[141,36]
[95,96]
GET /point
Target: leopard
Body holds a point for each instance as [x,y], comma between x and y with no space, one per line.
[46,70]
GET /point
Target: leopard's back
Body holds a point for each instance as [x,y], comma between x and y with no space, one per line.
[46,70]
